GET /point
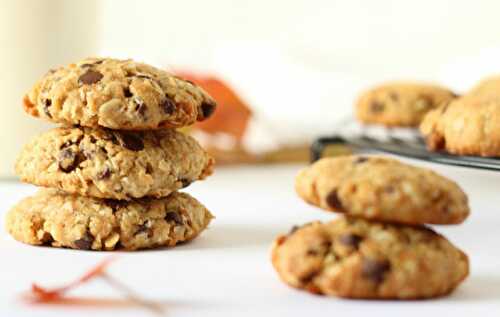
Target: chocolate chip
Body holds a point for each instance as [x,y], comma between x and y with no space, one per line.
[115,204]
[46,104]
[333,200]
[66,144]
[105,173]
[149,169]
[389,189]
[85,243]
[131,141]
[174,216]
[312,252]
[68,160]
[375,270]
[145,227]
[320,249]
[141,228]
[376,107]
[185,182]
[103,149]
[360,159]
[350,239]
[147,200]
[127,93]
[47,239]
[438,143]
[326,245]
[394,96]
[168,106]
[141,109]
[90,77]
[207,109]
[140,106]
[306,279]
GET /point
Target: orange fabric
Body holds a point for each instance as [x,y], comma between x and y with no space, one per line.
[232,113]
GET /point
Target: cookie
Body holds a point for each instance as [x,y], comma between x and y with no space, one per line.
[356,258]
[62,220]
[113,164]
[382,189]
[468,126]
[117,94]
[400,104]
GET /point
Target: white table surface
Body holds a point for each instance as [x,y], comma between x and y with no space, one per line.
[227,272]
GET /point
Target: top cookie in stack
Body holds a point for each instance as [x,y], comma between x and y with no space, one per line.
[119,152]
[117,94]
[383,189]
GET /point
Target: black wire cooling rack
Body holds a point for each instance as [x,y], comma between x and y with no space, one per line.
[403,142]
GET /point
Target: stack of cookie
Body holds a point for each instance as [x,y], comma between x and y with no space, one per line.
[380,248]
[113,169]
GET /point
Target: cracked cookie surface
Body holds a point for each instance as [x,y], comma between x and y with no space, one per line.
[51,217]
[113,164]
[467,126]
[356,258]
[117,94]
[400,104]
[382,189]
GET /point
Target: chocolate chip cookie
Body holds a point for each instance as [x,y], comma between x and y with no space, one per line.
[117,94]
[113,164]
[62,220]
[400,104]
[356,258]
[468,126]
[382,189]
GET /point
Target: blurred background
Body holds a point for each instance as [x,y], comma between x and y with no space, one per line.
[289,70]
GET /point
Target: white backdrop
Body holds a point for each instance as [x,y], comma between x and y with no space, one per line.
[299,63]
[380,39]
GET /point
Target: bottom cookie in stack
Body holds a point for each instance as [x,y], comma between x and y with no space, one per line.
[381,248]
[355,258]
[51,217]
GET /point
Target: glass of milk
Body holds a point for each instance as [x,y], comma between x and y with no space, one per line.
[34,37]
